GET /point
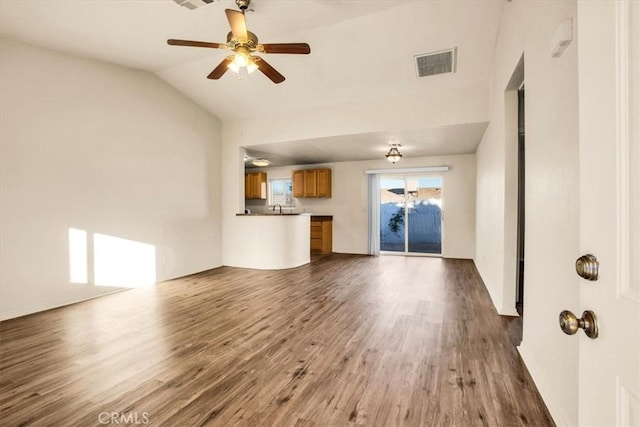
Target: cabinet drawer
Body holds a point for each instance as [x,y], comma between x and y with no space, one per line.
[316,244]
[316,232]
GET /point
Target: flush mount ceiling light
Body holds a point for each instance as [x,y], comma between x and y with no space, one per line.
[394,154]
[260,162]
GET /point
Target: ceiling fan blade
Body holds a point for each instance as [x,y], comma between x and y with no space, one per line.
[193,43]
[298,48]
[220,69]
[237,23]
[268,70]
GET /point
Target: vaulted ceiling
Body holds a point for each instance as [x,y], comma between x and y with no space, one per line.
[361,56]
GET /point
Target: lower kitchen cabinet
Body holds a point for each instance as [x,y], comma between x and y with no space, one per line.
[321,234]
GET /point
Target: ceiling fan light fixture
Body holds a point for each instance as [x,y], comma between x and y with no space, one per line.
[394,154]
[243,43]
[241,59]
[251,67]
[233,67]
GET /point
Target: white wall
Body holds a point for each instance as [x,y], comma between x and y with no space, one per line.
[552,211]
[105,149]
[349,203]
[462,102]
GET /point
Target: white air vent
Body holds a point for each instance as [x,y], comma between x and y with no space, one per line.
[433,63]
[193,4]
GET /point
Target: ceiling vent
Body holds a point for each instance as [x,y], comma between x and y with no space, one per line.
[193,4]
[441,62]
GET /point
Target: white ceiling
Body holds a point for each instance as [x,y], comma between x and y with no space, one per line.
[445,140]
[360,51]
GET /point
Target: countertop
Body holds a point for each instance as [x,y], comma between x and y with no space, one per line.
[314,217]
[321,217]
[272,214]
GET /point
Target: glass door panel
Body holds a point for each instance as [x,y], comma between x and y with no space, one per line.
[424,202]
[392,213]
[410,214]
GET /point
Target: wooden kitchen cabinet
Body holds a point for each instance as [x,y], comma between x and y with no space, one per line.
[323,183]
[321,234]
[311,183]
[297,179]
[255,185]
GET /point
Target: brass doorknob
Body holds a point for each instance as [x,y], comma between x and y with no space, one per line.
[570,324]
[587,267]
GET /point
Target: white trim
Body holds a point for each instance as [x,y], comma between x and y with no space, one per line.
[373,214]
[39,308]
[408,170]
[557,412]
[417,254]
[627,403]
[623,141]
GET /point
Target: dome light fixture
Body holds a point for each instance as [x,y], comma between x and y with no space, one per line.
[261,162]
[394,154]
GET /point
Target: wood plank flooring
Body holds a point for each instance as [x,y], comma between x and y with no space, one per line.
[345,340]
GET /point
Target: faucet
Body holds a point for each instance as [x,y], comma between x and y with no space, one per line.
[279,207]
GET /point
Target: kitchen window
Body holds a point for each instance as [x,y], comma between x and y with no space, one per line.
[280,192]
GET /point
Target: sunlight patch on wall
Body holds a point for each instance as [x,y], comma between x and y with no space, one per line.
[78,258]
[116,262]
[122,262]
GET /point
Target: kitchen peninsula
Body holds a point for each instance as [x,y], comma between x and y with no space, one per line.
[275,241]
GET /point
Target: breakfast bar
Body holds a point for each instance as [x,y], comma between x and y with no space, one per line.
[273,241]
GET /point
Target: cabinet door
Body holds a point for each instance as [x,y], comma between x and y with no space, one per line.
[321,236]
[297,179]
[327,237]
[247,186]
[259,186]
[324,183]
[255,185]
[310,183]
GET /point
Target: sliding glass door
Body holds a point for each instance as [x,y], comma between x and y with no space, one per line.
[411,214]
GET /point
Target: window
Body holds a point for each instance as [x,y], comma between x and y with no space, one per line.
[280,192]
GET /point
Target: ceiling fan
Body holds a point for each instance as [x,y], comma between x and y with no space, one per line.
[244,43]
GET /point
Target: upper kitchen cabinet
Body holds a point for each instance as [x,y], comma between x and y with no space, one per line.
[297,179]
[311,183]
[323,183]
[255,185]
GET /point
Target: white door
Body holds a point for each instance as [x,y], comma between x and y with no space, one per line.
[609,82]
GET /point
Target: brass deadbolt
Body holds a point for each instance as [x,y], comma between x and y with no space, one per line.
[570,324]
[587,267]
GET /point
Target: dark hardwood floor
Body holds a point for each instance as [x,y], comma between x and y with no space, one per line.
[345,340]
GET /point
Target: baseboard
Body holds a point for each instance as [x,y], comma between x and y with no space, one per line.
[509,312]
[557,413]
[498,305]
[40,309]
